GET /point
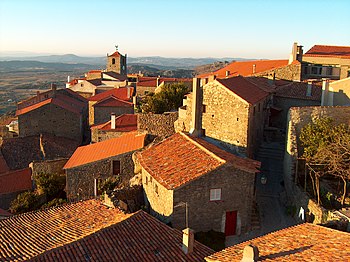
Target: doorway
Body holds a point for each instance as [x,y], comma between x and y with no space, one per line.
[230,223]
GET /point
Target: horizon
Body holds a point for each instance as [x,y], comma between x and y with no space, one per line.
[181,29]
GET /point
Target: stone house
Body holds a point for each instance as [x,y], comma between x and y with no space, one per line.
[116,127]
[326,61]
[116,100]
[188,175]
[230,111]
[60,112]
[92,164]
[336,93]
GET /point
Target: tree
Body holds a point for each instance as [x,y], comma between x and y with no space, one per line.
[24,202]
[52,185]
[327,151]
[168,99]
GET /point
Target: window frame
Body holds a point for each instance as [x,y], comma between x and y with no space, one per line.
[215,190]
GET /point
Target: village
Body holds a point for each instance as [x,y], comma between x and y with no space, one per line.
[246,163]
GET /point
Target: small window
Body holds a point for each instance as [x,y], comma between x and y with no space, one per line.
[259,107]
[203,132]
[237,119]
[150,179]
[204,108]
[146,180]
[156,188]
[113,61]
[215,194]
[254,111]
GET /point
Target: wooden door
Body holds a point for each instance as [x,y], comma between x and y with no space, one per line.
[231,223]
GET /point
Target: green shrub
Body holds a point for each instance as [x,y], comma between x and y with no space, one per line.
[51,185]
[24,202]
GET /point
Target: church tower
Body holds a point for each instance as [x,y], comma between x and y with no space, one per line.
[116,62]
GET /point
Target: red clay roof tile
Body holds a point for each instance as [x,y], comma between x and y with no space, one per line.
[244,89]
[245,68]
[27,235]
[123,123]
[298,90]
[16,181]
[112,101]
[139,237]
[180,159]
[121,93]
[305,242]
[329,51]
[105,149]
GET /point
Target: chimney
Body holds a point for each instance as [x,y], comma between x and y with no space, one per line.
[187,240]
[227,73]
[68,79]
[254,68]
[309,88]
[158,81]
[112,121]
[293,55]
[128,92]
[299,55]
[250,254]
[326,99]
[196,129]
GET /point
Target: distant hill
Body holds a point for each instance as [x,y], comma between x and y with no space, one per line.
[163,63]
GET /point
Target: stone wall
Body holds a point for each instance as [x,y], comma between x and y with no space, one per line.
[48,166]
[290,72]
[98,135]
[237,193]
[285,104]
[102,114]
[298,117]
[158,199]
[53,120]
[161,125]
[80,180]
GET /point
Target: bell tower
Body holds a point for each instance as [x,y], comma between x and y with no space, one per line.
[116,62]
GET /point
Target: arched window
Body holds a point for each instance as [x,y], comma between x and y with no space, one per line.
[113,61]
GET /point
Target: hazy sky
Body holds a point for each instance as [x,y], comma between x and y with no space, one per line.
[250,29]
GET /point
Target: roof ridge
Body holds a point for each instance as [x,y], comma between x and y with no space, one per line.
[203,148]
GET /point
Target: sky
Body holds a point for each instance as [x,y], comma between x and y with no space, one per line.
[183,28]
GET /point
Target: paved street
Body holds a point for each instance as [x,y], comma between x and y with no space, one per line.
[273,214]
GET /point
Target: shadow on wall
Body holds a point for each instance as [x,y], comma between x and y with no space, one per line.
[231,148]
[340,98]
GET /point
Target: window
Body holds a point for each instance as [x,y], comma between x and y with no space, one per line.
[150,179]
[215,194]
[113,61]
[116,167]
[204,108]
[156,189]
[146,180]
[254,111]
[259,107]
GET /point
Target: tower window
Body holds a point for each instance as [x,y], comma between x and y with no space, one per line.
[113,61]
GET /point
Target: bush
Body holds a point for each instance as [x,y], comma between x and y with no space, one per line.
[108,184]
[52,185]
[24,202]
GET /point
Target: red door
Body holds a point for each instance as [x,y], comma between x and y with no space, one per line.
[231,223]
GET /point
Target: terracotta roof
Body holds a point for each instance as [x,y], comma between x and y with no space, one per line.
[112,101]
[95,82]
[116,54]
[116,75]
[120,93]
[4,213]
[105,149]
[329,51]
[123,123]
[305,242]
[180,159]
[95,71]
[298,90]
[16,181]
[30,234]
[245,68]
[140,237]
[244,89]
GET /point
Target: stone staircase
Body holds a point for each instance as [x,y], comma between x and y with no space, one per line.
[273,150]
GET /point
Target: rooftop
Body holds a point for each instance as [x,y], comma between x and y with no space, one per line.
[304,242]
[181,159]
[16,181]
[298,90]
[105,149]
[123,123]
[152,81]
[244,88]
[245,68]
[123,93]
[139,237]
[30,234]
[115,75]
[112,101]
[329,51]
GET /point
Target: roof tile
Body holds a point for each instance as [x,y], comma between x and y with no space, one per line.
[328,51]
[16,181]
[123,123]
[121,93]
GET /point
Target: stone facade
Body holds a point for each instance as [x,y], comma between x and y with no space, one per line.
[117,63]
[299,117]
[290,72]
[80,179]
[102,114]
[51,119]
[160,125]
[237,191]
[228,119]
[48,166]
[98,135]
